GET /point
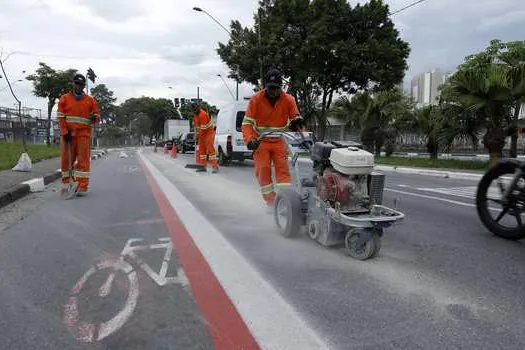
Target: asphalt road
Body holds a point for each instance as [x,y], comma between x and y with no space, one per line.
[441,281]
[47,245]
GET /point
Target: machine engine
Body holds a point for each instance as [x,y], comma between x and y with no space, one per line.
[345,179]
[349,193]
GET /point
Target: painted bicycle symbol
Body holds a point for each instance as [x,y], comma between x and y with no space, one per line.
[127,264]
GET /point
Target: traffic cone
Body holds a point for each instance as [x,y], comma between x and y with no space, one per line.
[174,151]
[165,149]
[155,148]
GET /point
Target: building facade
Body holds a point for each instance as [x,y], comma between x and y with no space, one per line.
[424,87]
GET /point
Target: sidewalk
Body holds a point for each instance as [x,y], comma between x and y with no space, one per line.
[9,178]
[12,185]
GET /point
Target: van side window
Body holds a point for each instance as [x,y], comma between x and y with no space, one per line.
[238,121]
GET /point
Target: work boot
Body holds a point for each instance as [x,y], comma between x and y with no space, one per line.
[82,192]
[269,209]
[215,170]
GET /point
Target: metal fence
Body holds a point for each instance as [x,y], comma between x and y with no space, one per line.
[30,126]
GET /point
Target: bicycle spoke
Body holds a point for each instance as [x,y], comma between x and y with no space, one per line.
[502,214]
[500,185]
[496,200]
[517,214]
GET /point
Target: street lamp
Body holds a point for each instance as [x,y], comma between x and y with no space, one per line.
[198,9]
[231,93]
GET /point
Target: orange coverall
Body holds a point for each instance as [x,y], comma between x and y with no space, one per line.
[74,117]
[206,134]
[262,117]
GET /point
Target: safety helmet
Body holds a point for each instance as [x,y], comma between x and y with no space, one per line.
[79,79]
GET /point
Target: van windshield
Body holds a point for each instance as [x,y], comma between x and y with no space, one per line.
[238,121]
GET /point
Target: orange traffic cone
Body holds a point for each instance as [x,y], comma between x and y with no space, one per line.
[165,149]
[174,151]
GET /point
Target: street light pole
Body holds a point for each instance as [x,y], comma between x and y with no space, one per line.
[198,9]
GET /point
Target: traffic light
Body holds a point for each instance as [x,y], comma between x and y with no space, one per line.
[177,101]
[182,101]
[91,75]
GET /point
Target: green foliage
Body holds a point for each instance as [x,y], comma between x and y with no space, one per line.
[51,84]
[487,91]
[106,101]
[10,152]
[322,46]
[157,110]
[378,116]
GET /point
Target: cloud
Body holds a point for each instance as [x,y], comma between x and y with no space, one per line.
[141,47]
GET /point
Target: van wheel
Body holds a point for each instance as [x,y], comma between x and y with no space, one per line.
[223,160]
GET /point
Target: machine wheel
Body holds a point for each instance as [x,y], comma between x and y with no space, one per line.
[369,249]
[287,212]
[223,160]
[313,230]
[514,207]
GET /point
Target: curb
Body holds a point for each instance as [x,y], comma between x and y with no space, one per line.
[436,173]
[21,190]
[37,184]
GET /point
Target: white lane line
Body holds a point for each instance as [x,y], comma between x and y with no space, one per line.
[437,199]
[273,322]
[431,197]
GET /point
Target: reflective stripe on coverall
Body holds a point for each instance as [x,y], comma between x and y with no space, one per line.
[262,117]
[206,134]
[74,117]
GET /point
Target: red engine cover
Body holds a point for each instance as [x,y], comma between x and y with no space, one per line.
[334,187]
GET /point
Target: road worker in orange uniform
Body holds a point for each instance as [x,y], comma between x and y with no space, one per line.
[206,138]
[77,112]
[271,109]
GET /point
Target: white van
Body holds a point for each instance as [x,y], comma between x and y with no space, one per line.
[228,135]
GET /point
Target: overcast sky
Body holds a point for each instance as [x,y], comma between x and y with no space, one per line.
[140,47]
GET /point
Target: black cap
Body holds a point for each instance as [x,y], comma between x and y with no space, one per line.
[274,78]
[80,79]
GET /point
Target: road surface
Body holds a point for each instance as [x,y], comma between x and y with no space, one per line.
[440,280]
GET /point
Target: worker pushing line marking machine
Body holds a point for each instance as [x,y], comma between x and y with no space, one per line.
[341,203]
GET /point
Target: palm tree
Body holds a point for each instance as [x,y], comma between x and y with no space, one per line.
[374,115]
[485,93]
[429,122]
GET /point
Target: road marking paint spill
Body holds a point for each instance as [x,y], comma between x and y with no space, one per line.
[272,321]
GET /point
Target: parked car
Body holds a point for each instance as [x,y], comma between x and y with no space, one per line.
[228,134]
[186,143]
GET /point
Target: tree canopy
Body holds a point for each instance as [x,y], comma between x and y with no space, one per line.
[51,84]
[322,46]
[106,101]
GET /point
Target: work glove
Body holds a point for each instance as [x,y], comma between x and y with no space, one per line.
[253,144]
[93,118]
[296,125]
[67,137]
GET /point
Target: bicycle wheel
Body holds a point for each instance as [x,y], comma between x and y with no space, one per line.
[88,332]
